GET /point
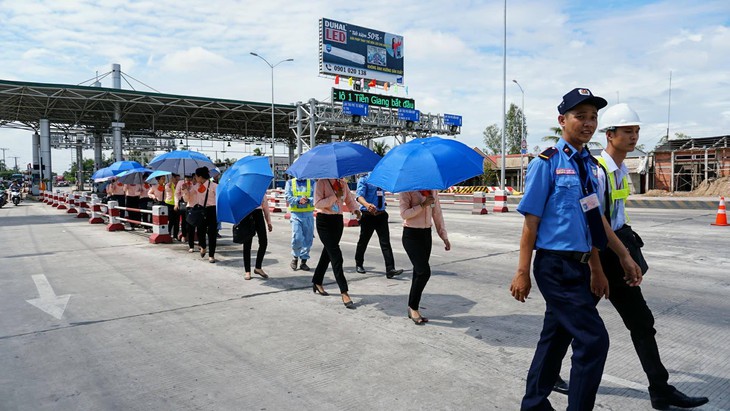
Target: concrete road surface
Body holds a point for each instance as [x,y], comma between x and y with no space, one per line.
[97,320]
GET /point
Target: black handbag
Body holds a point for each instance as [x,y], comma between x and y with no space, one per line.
[633,243]
[196,214]
[246,228]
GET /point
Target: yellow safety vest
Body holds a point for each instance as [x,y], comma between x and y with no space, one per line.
[616,193]
[301,208]
[170,201]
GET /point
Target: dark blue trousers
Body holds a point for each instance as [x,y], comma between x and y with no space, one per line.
[570,316]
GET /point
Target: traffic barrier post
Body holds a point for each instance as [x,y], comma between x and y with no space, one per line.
[479,206]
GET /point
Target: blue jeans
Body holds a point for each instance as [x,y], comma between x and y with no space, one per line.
[302,234]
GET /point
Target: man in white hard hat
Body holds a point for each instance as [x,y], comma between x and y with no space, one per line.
[621,125]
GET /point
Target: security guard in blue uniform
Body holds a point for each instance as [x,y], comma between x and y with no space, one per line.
[563,222]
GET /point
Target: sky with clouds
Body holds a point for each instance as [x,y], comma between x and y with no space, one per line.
[622,50]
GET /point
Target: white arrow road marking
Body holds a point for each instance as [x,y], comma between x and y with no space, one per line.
[48,301]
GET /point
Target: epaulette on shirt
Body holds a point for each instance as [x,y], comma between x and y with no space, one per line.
[549,152]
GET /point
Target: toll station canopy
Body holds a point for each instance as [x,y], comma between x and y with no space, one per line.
[23,104]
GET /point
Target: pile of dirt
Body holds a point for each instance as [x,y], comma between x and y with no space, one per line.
[708,188]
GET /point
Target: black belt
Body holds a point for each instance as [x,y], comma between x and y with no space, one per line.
[573,255]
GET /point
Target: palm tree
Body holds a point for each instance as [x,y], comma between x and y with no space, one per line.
[558,132]
[380,148]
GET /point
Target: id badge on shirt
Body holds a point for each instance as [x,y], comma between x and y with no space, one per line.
[589,202]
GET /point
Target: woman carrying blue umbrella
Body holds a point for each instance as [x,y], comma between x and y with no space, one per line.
[420,210]
[329,195]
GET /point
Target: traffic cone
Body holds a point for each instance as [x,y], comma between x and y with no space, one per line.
[721,218]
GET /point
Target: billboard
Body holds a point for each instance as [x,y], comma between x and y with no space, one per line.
[358,52]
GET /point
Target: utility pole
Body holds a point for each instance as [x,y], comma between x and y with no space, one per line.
[16,162]
[4,150]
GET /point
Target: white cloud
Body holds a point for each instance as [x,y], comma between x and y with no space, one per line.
[453,53]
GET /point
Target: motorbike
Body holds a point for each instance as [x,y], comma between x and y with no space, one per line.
[3,198]
[15,197]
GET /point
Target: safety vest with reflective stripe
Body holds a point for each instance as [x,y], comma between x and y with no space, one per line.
[616,193]
[170,201]
[301,208]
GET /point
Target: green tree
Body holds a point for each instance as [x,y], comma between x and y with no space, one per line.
[87,168]
[492,139]
[489,175]
[558,133]
[513,135]
[555,137]
[380,148]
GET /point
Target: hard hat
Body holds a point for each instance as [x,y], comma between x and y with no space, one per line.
[618,116]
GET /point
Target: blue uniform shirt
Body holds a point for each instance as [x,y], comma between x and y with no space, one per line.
[370,193]
[553,191]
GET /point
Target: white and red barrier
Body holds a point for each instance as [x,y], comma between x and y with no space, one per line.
[97,217]
[500,202]
[479,203]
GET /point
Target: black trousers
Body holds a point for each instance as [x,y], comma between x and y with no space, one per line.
[631,306]
[208,229]
[329,229]
[370,223]
[417,243]
[121,199]
[260,224]
[146,203]
[133,202]
[174,221]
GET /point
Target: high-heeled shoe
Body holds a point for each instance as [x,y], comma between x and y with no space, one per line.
[417,320]
[349,304]
[321,292]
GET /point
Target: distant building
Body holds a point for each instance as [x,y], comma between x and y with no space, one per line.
[514,168]
[682,165]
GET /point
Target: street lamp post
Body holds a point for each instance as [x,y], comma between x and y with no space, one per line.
[273,141]
[523,143]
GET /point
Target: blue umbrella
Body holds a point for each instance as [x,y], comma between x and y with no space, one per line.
[153,176]
[182,162]
[113,170]
[334,160]
[431,163]
[133,176]
[242,187]
[102,174]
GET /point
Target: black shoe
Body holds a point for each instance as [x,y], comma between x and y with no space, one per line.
[316,290]
[360,269]
[393,272]
[293,264]
[560,386]
[303,266]
[662,401]
[349,305]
